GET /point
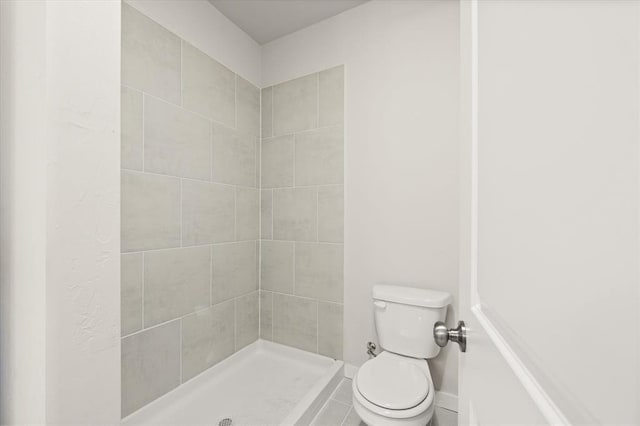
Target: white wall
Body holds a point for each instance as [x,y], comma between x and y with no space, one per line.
[83,212]
[401,141]
[202,25]
[22,217]
[60,219]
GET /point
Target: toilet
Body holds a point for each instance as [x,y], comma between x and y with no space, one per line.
[395,388]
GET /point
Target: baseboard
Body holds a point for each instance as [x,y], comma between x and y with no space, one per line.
[349,370]
[445,400]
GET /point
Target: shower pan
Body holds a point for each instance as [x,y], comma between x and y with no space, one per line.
[263,384]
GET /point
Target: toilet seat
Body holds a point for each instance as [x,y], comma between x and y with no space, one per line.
[374,408]
[393,382]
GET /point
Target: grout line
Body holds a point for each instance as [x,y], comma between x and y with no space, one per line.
[211,157]
[259,165]
[313,129]
[193,312]
[273,314]
[235,324]
[234,185]
[316,185]
[181,72]
[306,298]
[317,99]
[181,346]
[220,243]
[156,325]
[204,117]
[210,275]
[143,132]
[143,280]
[347,415]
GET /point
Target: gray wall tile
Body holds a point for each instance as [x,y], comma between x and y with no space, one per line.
[234,270]
[266,111]
[150,365]
[130,293]
[131,128]
[150,212]
[331,214]
[266,315]
[266,213]
[248,99]
[304,204]
[150,56]
[295,105]
[277,162]
[208,87]
[319,157]
[176,282]
[319,271]
[185,115]
[276,266]
[295,322]
[295,214]
[331,102]
[176,141]
[208,213]
[247,319]
[330,319]
[207,338]
[247,214]
[234,156]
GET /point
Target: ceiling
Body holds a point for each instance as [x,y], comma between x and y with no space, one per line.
[266,20]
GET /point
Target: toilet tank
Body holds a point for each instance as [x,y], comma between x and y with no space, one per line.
[404,318]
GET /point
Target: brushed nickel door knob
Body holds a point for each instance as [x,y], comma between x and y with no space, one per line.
[442,335]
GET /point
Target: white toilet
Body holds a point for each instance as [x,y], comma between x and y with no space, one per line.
[395,388]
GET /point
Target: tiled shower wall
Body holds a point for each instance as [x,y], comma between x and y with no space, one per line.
[190,211]
[302,185]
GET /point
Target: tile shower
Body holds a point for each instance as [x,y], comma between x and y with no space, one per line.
[301,268]
[232,212]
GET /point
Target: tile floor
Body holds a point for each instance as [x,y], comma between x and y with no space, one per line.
[338,411]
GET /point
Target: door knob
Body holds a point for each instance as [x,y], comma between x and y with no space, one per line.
[442,335]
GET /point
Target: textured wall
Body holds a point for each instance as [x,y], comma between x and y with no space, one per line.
[302,182]
[60,240]
[190,211]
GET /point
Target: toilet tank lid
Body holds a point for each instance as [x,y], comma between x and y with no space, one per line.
[411,296]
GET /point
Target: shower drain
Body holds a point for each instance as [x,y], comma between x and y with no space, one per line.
[225,422]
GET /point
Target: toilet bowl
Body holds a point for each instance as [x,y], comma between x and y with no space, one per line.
[395,388]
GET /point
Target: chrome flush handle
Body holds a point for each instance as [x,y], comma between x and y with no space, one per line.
[458,335]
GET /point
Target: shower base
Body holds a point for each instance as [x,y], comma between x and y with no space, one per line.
[262,384]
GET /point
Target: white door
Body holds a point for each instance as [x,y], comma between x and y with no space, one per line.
[550,221]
